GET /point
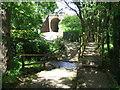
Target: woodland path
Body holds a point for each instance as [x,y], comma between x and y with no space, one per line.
[90,75]
[57,76]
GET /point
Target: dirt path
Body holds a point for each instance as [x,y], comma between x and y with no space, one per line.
[55,77]
[89,75]
[71,51]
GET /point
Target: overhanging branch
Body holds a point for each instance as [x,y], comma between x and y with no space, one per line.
[71,8]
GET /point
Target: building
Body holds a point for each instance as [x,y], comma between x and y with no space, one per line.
[51,24]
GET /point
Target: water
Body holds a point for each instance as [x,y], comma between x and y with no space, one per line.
[63,64]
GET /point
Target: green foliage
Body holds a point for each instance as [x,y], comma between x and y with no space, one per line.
[114,86]
[25,18]
[28,15]
[106,24]
[13,72]
[29,41]
[26,34]
[105,48]
[72,28]
[72,36]
[15,64]
[32,42]
[57,47]
[8,80]
[71,23]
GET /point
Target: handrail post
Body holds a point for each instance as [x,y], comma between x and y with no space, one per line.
[79,52]
[23,64]
[102,45]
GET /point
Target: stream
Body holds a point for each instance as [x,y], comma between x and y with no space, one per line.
[63,64]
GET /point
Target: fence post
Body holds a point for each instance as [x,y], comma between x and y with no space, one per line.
[102,46]
[23,64]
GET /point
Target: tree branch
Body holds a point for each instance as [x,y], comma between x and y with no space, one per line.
[71,8]
[79,8]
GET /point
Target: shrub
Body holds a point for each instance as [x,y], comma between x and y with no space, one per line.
[72,28]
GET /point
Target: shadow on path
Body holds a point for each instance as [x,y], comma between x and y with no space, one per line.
[90,75]
[60,74]
[55,78]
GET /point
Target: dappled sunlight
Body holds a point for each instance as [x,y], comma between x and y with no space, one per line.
[58,73]
[93,78]
[89,60]
[52,35]
[44,46]
[90,50]
[71,51]
[57,77]
[89,54]
[89,75]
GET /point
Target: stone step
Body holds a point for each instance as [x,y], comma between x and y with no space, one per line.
[90,66]
[92,61]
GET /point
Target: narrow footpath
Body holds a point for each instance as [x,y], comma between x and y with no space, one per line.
[68,73]
[89,72]
[61,74]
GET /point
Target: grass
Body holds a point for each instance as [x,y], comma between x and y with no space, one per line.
[12,77]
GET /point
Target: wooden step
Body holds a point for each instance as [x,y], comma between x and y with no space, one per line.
[92,66]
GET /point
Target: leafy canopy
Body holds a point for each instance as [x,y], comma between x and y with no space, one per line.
[28,15]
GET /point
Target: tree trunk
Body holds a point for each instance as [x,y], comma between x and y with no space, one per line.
[115,61]
[6,18]
[107,32]
[80,16]
[116,40]
[98,31]
[91,30]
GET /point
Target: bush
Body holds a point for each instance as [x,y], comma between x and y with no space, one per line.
[31,42]
[71,23]
[72,36]
[72,28]
[56,47]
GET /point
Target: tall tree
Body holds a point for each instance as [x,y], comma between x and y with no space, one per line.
[6,18]
[116,39]
[86,13]
[79,12]
[21,15]
[29,15]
